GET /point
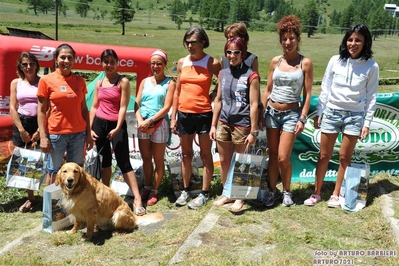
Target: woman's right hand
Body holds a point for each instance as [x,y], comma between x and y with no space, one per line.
[25,137]
[94,136]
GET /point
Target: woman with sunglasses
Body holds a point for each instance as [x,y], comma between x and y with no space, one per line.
[290,75]
[153,101]
[192,107]
[23,109]
[235,116]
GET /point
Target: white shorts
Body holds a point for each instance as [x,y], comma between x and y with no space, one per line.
[160,135]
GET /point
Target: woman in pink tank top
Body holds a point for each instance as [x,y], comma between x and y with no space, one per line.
[23,109]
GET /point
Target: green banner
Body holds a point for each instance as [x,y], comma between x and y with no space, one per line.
[380,149]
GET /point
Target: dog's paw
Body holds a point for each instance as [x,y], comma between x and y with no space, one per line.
[86,237]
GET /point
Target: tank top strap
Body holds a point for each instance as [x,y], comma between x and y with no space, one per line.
[279,61]
[300,60]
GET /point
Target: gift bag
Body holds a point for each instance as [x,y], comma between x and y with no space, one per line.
[118,182]
[264,180]
[177,179]
[55,217]
[26,169]
[353,193]
[93,163]
[244,176]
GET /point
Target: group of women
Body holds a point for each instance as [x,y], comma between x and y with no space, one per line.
[346,105]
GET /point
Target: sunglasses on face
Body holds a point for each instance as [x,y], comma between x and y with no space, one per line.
[192,42]
[32,64]
[235,52]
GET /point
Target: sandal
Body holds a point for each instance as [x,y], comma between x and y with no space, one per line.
[223,200]
[139,211]
[237,206]
[27,206]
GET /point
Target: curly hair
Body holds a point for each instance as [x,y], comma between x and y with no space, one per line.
[238,30]
[366,52]
[289,24]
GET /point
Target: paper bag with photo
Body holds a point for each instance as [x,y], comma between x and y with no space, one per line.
[244,176]
[353,194]
[26,169]
[55,217]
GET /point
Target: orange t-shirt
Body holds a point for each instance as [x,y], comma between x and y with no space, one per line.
[195,82]
[66,95]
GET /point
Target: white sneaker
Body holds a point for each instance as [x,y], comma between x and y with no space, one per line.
[182,200]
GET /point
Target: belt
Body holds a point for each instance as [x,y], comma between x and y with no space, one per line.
[282,112]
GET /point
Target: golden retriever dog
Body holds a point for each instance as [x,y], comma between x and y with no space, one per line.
[92,203]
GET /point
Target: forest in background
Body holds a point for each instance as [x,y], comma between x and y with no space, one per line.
[317,16]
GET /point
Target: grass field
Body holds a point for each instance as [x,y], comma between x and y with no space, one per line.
[258,236]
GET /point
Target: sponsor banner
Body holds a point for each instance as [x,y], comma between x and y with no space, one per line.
[380,149]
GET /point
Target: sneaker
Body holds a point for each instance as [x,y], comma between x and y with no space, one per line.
[152,199]
[145,193]
[182,200]
[287,198]
[271,197]
[333,202]
[198,202]
[312,200]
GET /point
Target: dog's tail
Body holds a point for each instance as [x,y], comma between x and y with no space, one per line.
[124,219]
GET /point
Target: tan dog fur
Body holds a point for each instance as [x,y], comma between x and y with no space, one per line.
[92,203]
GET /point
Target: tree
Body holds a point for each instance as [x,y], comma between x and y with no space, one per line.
[122,13]
[222,14]
[177,10]
[347,17]
[310,17]
[82,7]
[35,5]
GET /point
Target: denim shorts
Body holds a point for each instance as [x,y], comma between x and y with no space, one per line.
[160,135]
[285,120]
[72,144]
[336,121]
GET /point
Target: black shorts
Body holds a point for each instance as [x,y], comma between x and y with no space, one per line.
[194,123]
[30,125]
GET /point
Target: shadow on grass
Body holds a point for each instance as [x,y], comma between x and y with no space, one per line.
[13,205]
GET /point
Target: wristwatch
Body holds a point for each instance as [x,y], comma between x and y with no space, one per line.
[303,120]
[255,133]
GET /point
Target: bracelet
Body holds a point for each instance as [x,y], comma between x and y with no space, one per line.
[305,116]
[151,122]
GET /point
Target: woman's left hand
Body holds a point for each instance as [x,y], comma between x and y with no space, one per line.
[365,133]
[251,139]
[35,136]
[112,133]
[89,142]
[299,128]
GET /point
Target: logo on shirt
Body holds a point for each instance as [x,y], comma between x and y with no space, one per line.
[63,89]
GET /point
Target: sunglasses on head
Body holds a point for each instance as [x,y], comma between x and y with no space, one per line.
[31,64]
[236,52]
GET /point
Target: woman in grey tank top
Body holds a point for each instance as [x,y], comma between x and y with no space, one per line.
[290,75]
